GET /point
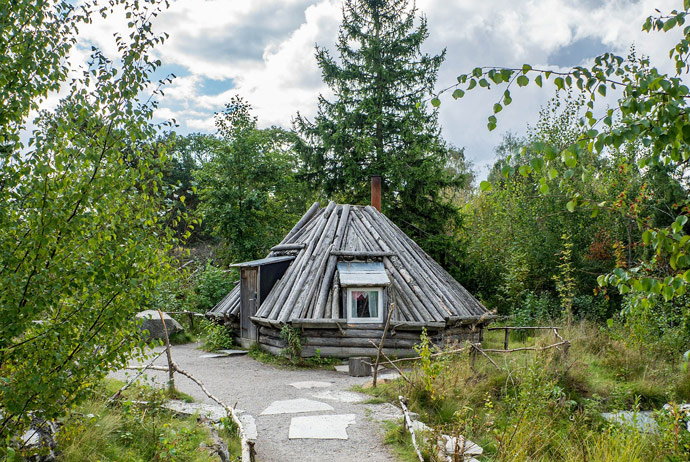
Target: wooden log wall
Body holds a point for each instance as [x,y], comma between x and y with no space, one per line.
[356,341]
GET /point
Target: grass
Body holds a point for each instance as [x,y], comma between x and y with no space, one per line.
[399,439]
[135,428]
[546,406]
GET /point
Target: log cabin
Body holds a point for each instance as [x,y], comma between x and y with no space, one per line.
[335,276]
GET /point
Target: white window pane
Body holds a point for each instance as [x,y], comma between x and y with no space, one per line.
[364,304]
[374,304]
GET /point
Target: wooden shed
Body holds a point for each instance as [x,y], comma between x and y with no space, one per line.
[335,276]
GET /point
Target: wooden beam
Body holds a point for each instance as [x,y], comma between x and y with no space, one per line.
[362,254]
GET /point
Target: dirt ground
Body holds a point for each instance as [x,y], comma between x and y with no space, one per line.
[252,386]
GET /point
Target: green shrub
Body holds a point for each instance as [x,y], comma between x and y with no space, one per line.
[293,338]
[210,286]
[216,337]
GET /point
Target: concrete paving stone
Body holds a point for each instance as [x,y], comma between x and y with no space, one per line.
[213,412]
[342,396]
[384,411]
[234,352]
[324,427]
[249,425]
[311,384]
[294,406]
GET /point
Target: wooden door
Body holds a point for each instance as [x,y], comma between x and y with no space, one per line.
[249,294]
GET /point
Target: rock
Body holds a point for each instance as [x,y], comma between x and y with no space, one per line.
[641,420]
[151,321]
[471,449]
[41,436]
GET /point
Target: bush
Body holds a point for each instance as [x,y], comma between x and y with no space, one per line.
[591,308]
[216,337]
[210,286]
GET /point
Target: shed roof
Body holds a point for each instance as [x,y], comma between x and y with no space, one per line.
[362,274]
[422,290]
[263,261]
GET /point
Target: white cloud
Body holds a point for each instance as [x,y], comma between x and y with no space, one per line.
[266,48]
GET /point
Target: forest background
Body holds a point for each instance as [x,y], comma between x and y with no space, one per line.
[584,216]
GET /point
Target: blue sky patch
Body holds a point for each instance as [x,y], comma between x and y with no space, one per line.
[214,87]
[578,51]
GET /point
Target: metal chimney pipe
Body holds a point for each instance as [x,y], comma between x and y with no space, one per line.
[376,192]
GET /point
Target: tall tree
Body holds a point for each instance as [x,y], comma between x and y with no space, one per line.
[249,196]
[81,240]
[649,120]
[379,124]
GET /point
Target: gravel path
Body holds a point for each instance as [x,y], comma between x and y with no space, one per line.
[254,386]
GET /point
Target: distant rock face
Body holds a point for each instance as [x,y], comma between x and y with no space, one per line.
[151,321]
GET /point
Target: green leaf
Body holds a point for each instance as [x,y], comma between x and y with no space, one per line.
[435,102]
[458,93]
[522,81]
[669,24]
[553,173]
[526,68]
[570,206]
[647,237]
[668,293]
[525,170]
[569,159]
[497,108]
[559,82]
[485,186]
[537,164]
[544,188]
[602,90]
[537,80]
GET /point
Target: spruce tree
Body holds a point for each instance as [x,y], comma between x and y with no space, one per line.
[379,123]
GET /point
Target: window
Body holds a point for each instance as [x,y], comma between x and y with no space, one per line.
[365,304]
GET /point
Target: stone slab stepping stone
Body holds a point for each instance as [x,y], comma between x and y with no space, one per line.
[324,427]
[343,368]
[342,396]
[311,384]
[471,449]
[294,406]
[383,411]
[249,426]
[234,352]
[641,420]
[213,355]
[213,412]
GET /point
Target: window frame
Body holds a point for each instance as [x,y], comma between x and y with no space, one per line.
[348,307]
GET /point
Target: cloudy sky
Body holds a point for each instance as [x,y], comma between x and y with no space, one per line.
[264,51]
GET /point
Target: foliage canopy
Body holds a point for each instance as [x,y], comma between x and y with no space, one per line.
[82,242]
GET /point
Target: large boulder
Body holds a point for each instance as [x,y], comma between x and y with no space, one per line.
[151,321]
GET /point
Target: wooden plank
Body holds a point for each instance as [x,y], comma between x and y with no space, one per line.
[282,247]
[362,253]
[357,342]
[291,307]
[305,218]
[327,282]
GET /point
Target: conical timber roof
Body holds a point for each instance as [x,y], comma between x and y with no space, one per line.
[423,292]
